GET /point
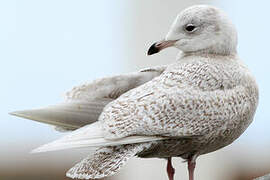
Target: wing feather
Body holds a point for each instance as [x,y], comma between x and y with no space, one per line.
[91,136]
[85,103]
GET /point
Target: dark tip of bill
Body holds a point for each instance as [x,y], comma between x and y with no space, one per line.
[153,50]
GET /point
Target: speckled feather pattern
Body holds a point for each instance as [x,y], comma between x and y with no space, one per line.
[105,162]
[113,87]
[202,102]
[197,96]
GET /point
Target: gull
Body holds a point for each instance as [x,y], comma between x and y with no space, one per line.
[199,104]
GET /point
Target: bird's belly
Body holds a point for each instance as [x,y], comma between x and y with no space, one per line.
[168,148]
[185,147]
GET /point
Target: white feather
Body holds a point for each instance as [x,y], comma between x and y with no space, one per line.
[69,115]
[91,136]
[112,87]
[85,103]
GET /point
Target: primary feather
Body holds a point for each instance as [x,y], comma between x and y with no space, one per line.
[70,115]
[91,136]
[85,103]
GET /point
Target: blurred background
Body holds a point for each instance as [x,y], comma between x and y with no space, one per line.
[47,47]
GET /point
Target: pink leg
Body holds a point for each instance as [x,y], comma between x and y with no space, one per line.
[170,169]
[191,167]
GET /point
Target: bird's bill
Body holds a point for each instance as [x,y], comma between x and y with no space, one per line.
[158,46]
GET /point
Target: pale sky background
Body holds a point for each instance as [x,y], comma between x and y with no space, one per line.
[47,47]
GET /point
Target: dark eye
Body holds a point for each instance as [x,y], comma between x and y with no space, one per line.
[190,27]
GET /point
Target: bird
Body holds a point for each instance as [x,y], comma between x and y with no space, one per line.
[199,104]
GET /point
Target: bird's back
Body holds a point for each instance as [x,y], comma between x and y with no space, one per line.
[203,102]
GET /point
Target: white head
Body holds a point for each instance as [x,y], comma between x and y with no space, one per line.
[200,28]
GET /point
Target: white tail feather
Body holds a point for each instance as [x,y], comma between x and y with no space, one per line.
[91,136]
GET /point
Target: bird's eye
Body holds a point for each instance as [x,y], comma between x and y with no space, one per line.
[190,28]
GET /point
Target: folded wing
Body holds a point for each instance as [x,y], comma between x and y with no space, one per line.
[91,136]
[85,103]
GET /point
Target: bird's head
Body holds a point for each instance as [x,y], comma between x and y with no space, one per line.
[200,28]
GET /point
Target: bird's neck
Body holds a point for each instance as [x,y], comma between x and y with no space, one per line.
[206,54]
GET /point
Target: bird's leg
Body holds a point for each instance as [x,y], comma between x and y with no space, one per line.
[191,167]
[170,169]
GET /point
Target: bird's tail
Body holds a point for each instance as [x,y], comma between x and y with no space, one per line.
[105,162]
